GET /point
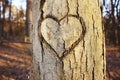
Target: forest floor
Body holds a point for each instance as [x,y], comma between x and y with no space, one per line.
[113,63]
[15,62]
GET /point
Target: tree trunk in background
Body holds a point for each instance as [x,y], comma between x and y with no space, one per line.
[114,23]
[0,10]
[118,26]
[28,20]
[0,21]
[3,20]
[28,17]
[68,40]
[4,5]
[10,23]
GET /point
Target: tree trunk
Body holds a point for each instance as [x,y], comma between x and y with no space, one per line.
[0,10]
[68,40]
[10,23]
[28,18]
[0,21]
[3,20]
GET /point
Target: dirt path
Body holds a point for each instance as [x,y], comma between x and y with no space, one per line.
[15,61]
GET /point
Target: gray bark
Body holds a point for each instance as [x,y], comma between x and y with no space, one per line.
[68,40]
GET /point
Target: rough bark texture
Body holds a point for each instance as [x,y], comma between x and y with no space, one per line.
[68,40]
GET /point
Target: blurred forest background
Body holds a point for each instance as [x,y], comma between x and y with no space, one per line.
[15,57]
[12,20]
[111,21]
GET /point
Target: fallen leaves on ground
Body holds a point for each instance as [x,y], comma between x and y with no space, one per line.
[15,61]
[113,63]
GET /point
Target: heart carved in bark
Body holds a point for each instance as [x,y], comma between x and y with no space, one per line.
[61,35]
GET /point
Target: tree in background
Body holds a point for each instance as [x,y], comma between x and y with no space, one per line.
[28,20]
[111,22]
[10,23]
[19,19]
[0,9]
[68,40]
[0,19]
[21,15]
[4,5]
[10,17]
[28,16]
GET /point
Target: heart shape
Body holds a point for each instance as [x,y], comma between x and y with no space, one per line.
[61,35]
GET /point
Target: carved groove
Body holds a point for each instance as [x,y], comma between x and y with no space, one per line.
[77,8]
[41,8]
[42,40]
[66,52]
[39,68]
[93,73]
[52,17]
[104,65]
[86,63]
[42,51]
[93,24]
[68,9]
[49,46]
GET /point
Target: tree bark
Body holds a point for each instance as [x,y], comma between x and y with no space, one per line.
[28,17]
[68,40]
